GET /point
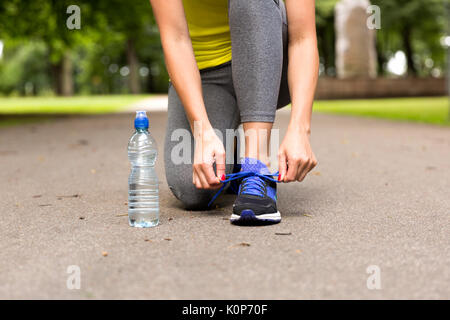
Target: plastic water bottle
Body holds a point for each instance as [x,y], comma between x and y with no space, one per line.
[143,198]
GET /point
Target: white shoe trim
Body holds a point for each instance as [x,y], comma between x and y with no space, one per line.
[276,216]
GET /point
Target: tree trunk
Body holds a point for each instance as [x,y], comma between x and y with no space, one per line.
[67,75]
[133,63]
[381,58]
[323,46]
[63,76]
[150,86]
[406,35]
[55,78]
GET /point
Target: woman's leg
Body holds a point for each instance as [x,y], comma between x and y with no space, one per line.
[223,114]
[259,47]
[258,41]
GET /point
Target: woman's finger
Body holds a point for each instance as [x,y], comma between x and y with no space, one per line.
[197,181]
[311,164]
[201,178]
[220,164]
[292,168]
[303,169]
[208,173]
[281,166]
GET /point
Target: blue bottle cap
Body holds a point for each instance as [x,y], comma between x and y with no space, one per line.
[141,121]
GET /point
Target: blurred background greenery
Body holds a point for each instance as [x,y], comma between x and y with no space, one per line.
[118,51]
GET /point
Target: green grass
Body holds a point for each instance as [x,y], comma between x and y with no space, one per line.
[429,110]
[67,105]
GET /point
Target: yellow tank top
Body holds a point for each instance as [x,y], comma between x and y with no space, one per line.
[209,30]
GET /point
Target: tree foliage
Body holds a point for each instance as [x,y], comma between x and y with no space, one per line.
[415,27]
[118,50]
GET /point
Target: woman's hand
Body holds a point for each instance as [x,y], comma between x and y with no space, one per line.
[295,157]
[208,149]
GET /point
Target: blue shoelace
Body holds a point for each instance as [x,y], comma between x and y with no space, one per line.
[250,175]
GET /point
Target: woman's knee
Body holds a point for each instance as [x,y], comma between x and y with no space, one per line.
[191,197]
[179,179]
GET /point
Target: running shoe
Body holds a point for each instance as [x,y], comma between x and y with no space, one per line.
[256,202]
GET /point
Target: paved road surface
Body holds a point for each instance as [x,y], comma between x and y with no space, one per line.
[380,196]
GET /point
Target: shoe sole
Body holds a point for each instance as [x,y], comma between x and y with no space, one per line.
[249,217]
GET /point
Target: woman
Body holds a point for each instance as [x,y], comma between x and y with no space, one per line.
[230,62]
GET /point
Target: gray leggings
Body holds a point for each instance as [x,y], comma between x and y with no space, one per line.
[249,89]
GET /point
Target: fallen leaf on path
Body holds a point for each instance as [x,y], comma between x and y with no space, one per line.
[122,215]
[70,196]
[147,240]
[283,233]
[243,244]
[307,215]
[104,253]
[316,173]
[167,239]
[298,251]
[81,218]
[83,142]
[170,219]
[45,205]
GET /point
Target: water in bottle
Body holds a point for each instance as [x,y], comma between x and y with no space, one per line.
[143,198]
